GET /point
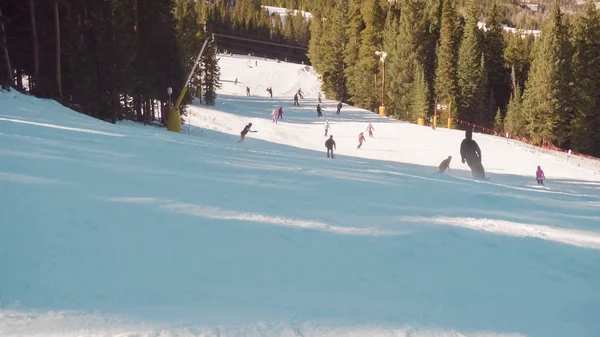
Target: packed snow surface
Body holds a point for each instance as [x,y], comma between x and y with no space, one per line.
[131,230]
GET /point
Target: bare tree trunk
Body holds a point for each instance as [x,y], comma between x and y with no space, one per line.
[6,56]
[58,70]
[36,53]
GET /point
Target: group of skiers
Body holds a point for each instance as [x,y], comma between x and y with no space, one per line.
[471,155]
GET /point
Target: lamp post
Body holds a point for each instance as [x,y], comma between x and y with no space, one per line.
[382,55]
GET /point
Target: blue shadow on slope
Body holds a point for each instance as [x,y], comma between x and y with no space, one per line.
[219,240]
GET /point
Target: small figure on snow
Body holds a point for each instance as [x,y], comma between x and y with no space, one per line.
[274,115]
[270,91]
[445,165]
[361,139]
[280,113]
[245,131]
[339,108]
[247,91]
[235,83]
[296,100]
[327,127]
[319,97]
[330,145]
[319,114]
[370,129]
[540,176]
[300,93]
[471,153]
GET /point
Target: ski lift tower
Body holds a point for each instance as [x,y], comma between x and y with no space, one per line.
[174,123]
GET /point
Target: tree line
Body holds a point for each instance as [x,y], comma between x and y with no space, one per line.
[545,89]
[110,59]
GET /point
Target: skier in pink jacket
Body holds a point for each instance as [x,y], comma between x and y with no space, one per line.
[539,175]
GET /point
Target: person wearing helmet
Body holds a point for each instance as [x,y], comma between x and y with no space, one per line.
[445,165]
[471,153]
[245,131]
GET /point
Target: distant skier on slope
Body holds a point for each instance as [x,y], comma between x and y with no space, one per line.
[245,132]
[280,113]
[445,165]
[471,153]
[330,145]
[361,139]
[319,97]
[274,115]
[370,129]
[319,113]
[296,100]
[327,127]
[339,108]
[540,176]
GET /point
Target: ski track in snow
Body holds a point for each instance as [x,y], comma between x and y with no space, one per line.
[128,230]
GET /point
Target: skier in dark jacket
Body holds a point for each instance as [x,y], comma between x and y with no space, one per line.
[471,153]
[330,145]
[245,131]
[319,113]
[296,100]
[339,108]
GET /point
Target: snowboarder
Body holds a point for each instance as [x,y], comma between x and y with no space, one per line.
[274,115]
[280,113]
[245,131]
[319,114]
[361,139]
[339,108]
[370,128]
[540,176]
[247,91]
[327,127]
[471,153]
[319,97]
[445,165]
[330,145]
[296,100]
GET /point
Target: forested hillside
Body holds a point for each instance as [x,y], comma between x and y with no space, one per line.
[546,89]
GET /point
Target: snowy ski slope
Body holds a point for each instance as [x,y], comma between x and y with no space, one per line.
[128,230]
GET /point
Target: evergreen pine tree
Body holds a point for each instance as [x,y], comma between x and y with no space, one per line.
[586,62]
[365,94]
[469,72]
[334,41]
[419,106]
[547,98]
[446,77]
[514,121]
[355,26]
[407,55]
[211,72]
[494,52]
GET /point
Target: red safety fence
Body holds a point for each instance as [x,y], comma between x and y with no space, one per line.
[550,147]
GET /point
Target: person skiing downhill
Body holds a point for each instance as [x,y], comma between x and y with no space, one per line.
[327,127]
[330,145]
[471,153]
[339,108]
[244,132]
[280,113]
[370,129]
[247,91]
[361,139]
[319,97]
[540,176]
[319,113]
[274,115]
[445,165]
[296,100]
